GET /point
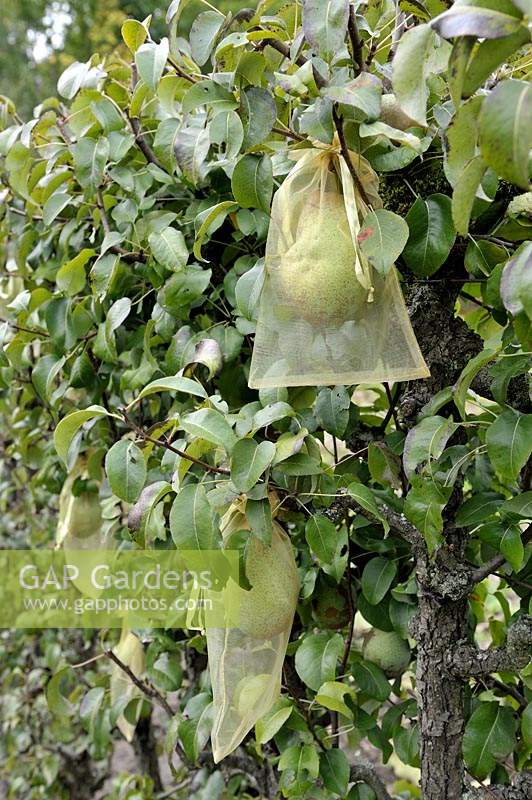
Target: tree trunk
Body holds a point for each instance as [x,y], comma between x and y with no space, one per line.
[440,625]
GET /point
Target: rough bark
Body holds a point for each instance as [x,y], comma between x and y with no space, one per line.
[441,622]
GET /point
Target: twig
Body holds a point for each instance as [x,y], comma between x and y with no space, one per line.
[23,329]
[103,213]
[143,144]
[392,412]
[145,688]
[472,299]
[493,683]
[283,48]
[161,443]
[356,42]
[347,157]
[492,566]
[180,72]
[290,134]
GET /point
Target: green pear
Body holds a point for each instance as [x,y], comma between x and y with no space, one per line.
[268,608]
[317,275]
[387,650]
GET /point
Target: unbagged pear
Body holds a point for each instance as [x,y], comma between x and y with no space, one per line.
[387,650]
[317,274]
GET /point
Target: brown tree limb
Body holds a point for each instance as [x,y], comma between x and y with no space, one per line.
[467,661]
[356,42]
[493,565]
[365,773]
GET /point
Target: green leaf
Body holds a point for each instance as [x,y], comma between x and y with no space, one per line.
[384,466]
[90,706]
[363,93]
[331,695]
[191,520]
[411,68]
[423,508]
[371,680]
[325,25]
[431,236]
[519,507]
[489,737]
[322,538]
[462,136]
[134,34]
[151,59]
[377,578]
[258,112]
[470,20]
[465,192]
[332,410]
[210,425]
[248,462]
[169,248]
[316,658]
[467,376]
[270,723]
[364,497]
[317,121]
[479,508]
[226,128]
[300,766]
[210,93]
[334,771]
[69,426]
[488,55]
[195,727]
[516,282]
[252,182]
[509,441]
[71,277]
[126,470]
[259,516]
[203,33]
[426,442]
[209,221]
[382,238]
[59,684]
[526,725]
[511,546]
[505,125]
[54,205]
[175,383]
[90,158]
[44,374]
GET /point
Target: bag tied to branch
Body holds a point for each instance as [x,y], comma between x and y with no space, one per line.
[326,317]
[246,662]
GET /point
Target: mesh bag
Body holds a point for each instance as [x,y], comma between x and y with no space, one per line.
[325,316]
[246,662]
[122,689]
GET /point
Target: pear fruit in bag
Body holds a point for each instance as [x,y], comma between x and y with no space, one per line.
[246,662]
[318,274]
[326,316]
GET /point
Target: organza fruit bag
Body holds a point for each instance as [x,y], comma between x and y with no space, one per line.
[246,662]
[326,316]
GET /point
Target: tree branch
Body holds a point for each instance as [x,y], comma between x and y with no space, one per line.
[162,443]
[467,661]
[365,773]
[492,566]
[145,688]
[337,119]
[521,789]
[356,41]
